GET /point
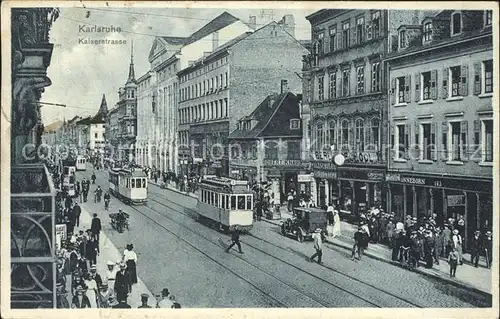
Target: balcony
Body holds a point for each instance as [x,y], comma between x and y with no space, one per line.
[244,162]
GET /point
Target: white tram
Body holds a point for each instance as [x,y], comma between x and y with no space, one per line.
[81,163]
[128,185]
[225,202]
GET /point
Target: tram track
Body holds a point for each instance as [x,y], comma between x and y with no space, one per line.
[179,211]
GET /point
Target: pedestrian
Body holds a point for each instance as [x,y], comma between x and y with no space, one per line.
[93,178]
[105,296]
[428,246]
[165,302]
[447,240]
[414,253]
[91,250]
[70,227]
[389,229]
[318,245]
[175,305]
[111,273]
[144,301]
[453,261]
[122,283]
[475,248]
[96,227]
[360,242]
[77,211]
[488,246]
[438,244]
[97,277]
[80,300]
[130,258]
[122,303]
[107,199]
[373,224]
[235,238]
[91,290]
[457,243]
[290,201]
[98,194]
[337,231]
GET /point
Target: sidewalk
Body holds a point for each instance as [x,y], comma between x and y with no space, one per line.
[469,277]
[109,252]
[173,188]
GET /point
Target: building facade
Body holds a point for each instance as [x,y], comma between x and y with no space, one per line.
[345,103]
[126,116]
[158,89]
[265,147]
[220,88]
[91,131]
[441,119]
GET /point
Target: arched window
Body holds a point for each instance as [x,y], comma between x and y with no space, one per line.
[344,139]
[332,137]
[319,136]
[374,133]
[360,135]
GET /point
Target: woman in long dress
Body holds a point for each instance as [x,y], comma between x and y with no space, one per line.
[91,290]
[336,223]
[130,257]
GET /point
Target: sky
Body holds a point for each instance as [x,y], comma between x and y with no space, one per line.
[82,73]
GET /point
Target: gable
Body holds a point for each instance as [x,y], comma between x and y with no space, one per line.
[157,47]
[279,124]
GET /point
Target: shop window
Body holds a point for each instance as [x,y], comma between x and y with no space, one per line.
[360,136]
[487,145]
[360,80]
[456,23]
[332,93]
[321,88]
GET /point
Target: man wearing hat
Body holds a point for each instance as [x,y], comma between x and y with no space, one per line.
[447,240]
[97,277]
[144,301]
[475,248]
[105,296]
[318,242]
[122,283]
[122,303]
[165,302]
[428,247]
[457,243]
[235,238]
[80,300]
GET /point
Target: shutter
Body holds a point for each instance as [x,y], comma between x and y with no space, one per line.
[477,155]
[464,75]
[407,88]
[417,86]
[339,39]
[416,142]
[407,140]
[465,146]
[434,90]
[393,91]
[444,94]
[477,78]
[353,34]
[433,142]
[444,141]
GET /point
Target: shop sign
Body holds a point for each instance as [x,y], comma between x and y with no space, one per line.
[323,165]
[285,163]
[363,157]
[216,164]
[197,160]
[61,231]
[305,178]
[456,200]
[450,183]
[235,171]
[325,174]
[374,175]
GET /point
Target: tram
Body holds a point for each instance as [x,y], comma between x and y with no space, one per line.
[81,163]
[128,185]
[225,202]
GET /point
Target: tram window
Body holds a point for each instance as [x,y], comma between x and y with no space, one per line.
[249,202]
[138,183]
[128,183]
[241,202]
[133,182]
[233,202]
[144,184]
[223,201]
[227,201]
[212,195]
[216,200]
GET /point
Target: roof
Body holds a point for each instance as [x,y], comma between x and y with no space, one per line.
[53,126]
[175,40]
[262,114]
[216,24]
[85,121]
[73,119]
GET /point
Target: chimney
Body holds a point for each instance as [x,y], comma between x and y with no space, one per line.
[284,86]
[288,23]
[252,22]
[272,99]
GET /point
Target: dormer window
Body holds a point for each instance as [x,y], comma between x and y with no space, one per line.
[488,17]
[294,124]
[427,36]
[456,23]
[402,39]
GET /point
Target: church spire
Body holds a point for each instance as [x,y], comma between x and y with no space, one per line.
[103,109]
[131,73]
